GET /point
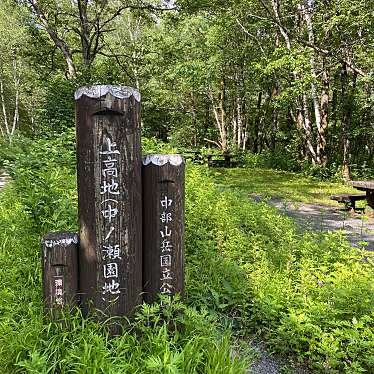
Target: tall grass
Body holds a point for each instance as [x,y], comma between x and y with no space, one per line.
[248,270]
[42,198]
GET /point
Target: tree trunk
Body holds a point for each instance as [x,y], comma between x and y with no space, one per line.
[84,32]
[240,121]
[275,117]
[223,117]
[276,9]
[245,139]
[324,117]
[256,126]
[307,10]
[308,131]
[347,101]
[220,116]
[3,106]
[16,103]
[194,118]
[235,120]
[303,117]
[59,42]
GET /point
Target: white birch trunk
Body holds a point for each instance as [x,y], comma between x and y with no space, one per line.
[16,104]
[308,130]
[307,10]
[3,106]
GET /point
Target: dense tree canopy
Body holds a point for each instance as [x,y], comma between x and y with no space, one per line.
[288,77]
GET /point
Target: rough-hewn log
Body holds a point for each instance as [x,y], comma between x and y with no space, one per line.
[163,226]
[60,272]
[109,193]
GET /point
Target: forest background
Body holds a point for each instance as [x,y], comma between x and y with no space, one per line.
[288,79]
[289,83]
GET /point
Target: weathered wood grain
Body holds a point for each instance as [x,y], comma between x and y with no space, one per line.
[109,195]
[367,186]
[163,226]
[60,272]
[363,185]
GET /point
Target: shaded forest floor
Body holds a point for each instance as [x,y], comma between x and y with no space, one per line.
[284,185]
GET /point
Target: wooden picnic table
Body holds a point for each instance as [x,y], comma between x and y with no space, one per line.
[213,160]
[192,155]
[368,187]
[222,160]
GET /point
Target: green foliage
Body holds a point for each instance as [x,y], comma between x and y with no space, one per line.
[56,112]
[152,145]
[42,198]
[246,267]
[302,293]
[278,160]
[48,194]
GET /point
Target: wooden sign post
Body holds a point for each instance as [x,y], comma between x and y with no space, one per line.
[109,196]
[163,226]
[60,272]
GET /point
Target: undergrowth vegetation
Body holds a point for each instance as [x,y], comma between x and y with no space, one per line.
[247,269]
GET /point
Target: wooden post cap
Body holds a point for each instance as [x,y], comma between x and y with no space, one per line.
[98,91]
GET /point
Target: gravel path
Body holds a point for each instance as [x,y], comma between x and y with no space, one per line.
[270,364]
[358,228]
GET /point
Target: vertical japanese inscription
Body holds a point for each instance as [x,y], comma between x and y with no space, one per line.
[60,271]
[109,199]
[163,228]
[58,294]
[110,209]
[166,248]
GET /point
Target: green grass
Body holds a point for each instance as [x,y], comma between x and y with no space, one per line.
[177,339]
[281,184]
[248,270]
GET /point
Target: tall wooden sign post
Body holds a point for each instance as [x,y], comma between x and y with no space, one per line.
[109,195]
[163,226]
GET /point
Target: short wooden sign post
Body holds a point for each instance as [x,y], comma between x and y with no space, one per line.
[109,196]
[60,272]
[163,226]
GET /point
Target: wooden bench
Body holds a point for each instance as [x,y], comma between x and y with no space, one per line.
[349,200]
[194,156]
[224,160]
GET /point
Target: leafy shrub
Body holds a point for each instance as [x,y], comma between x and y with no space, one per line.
[279,160]
[56,111]
[48,193]
[247,267]
[42,198]
[310,295]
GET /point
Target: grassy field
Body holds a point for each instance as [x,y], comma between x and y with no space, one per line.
[281,184]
